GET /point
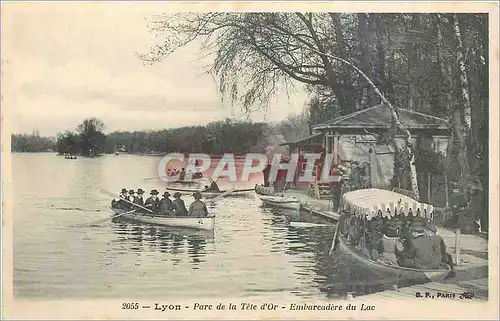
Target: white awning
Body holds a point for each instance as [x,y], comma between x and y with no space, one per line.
[371,201]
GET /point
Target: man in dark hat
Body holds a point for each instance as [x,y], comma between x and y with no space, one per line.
[139,199]
[420,253]
[131,195]
[178,205]
[197,208]
[120,203]
[152,202]
[165,206]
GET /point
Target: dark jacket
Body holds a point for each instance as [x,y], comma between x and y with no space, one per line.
[422,253]
[139,200]
[120,204]
[198,209]
[152,204]
[179,207]
[165,205]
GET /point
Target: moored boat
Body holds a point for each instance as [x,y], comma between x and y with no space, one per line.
[210,194]
[372,202]
[289,202]
[202,223]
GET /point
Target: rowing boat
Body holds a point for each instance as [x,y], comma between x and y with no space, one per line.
[372,202]
[202,223]
[209,193]
[290,202]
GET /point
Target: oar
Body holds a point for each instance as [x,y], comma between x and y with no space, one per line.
[221,195]
[334,242]
[150,178]
[307,224]
[123,199]
[104,220]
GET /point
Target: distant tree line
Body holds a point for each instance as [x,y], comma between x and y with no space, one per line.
[33,143]
[218,137]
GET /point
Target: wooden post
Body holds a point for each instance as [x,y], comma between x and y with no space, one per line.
[457,246]
[446,197]
[335,150]
[429,187]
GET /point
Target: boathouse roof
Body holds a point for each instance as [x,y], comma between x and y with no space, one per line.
[378,118]
[309,140]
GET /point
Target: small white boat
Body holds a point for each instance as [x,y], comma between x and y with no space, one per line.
[280,200]
[202,223]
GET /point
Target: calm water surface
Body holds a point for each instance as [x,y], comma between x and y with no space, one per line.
[253,251]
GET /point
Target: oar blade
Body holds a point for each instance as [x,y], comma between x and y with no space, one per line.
[307,224]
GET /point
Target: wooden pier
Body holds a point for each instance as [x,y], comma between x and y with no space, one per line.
[322,208]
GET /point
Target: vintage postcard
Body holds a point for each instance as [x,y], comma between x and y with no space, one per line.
[266,160]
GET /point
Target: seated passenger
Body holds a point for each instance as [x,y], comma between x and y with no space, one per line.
[197,208]
[178,205]
[391,243]
[420,252]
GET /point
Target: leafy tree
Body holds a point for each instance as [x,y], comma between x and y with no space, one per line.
[92,138]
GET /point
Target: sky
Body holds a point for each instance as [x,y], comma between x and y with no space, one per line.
[64,62]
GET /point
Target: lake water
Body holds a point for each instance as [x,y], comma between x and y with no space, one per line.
[253,251]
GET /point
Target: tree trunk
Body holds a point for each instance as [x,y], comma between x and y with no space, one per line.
[380,51]
[347,101]
[391,94]
[464,84]
[446,85]
[363,32]
[463,129]
[412,50]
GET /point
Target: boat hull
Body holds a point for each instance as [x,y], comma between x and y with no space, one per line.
[281,201]
[201,223]
[396,272]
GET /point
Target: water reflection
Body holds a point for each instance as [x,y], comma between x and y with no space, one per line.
[175,243]
[335,275]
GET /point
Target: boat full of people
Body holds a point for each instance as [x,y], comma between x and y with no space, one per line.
[163,211]
[178,176]
[392,234]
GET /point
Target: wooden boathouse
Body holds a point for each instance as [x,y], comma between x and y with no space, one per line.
[358,146]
